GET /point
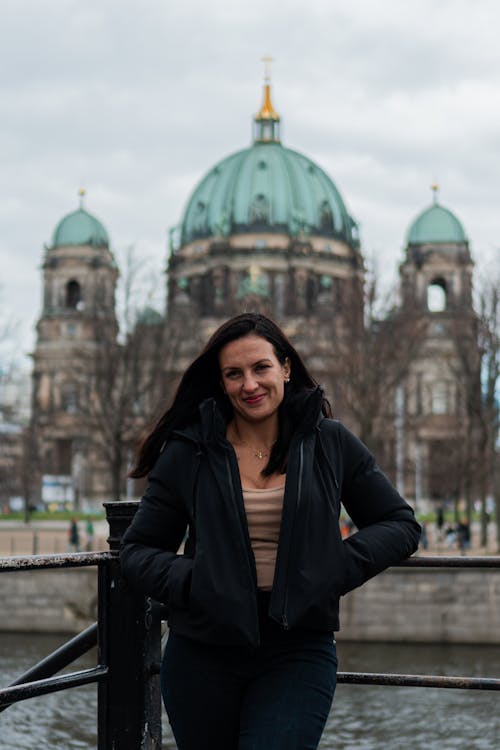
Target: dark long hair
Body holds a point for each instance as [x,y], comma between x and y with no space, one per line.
[202,378]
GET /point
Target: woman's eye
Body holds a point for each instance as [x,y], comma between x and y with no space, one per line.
[231,374]
[261,367]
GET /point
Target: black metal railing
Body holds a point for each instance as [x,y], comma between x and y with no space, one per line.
[48,667]
[128,638]
[436,681]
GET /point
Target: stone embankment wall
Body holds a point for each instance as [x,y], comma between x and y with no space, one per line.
[48,601]
[461,606]
[425,605]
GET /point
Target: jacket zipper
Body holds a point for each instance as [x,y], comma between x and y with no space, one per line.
[235,501]
[251,563]
[284,618]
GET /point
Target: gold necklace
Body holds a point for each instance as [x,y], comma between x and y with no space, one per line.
[257,452]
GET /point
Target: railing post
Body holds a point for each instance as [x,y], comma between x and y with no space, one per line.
[129,700]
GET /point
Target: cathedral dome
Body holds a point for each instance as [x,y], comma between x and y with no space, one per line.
[436,225]
[80,228]
[267,188]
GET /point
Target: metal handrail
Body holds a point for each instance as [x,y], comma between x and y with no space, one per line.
[64,560]
[418,680]
[17,693]
[87,559]
[444,561]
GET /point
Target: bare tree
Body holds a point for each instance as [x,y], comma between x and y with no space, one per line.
[490,370]
[374,358]
[121,375]
[12,424]
[477,342]
[8,363]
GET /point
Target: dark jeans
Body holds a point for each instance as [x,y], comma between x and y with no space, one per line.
[275,697]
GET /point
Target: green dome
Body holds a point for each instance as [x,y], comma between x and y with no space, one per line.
[148,316]
[436,225]
[267,188]
[80,228]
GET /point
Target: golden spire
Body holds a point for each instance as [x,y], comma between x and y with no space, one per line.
[267,121]
[435,192]
[267,111]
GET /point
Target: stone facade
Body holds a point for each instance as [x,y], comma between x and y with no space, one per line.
[313,288]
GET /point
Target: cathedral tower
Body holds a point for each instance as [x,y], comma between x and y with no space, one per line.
[443,383]
[79,280]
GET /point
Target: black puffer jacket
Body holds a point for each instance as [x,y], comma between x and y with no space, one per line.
[211,589]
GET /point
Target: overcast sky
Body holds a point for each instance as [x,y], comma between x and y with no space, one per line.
[135,101]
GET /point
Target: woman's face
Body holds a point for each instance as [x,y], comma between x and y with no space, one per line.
[252,377]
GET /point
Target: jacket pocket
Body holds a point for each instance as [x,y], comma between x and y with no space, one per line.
[179,582]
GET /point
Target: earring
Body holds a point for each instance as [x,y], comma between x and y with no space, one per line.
[287,379]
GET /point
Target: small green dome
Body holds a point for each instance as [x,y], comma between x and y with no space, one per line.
[80,228]
[436,225]
[148,316]
[267,188]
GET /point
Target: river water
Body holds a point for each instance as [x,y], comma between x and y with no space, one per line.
[362,717]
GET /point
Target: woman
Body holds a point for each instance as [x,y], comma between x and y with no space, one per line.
[248,460]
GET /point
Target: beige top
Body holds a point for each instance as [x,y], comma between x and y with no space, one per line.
[263,510]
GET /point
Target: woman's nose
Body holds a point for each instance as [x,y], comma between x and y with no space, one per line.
[249,383]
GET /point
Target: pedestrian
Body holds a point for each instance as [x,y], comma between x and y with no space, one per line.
[73,536]
[440,521]
[249,460]
[450,536]
[463,535]
[89,531]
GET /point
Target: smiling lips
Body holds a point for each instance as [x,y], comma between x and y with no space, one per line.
[252,400]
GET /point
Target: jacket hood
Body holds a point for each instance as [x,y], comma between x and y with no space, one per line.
[303,408]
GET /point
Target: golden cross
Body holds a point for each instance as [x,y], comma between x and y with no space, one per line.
[267,60]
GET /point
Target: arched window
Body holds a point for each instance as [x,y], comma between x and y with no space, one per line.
[73,294]
[440,398]
[437,296]
[69,398]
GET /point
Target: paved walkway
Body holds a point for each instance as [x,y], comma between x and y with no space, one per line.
[51,537]
[47,537]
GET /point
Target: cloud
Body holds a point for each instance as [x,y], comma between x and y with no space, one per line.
[137,102]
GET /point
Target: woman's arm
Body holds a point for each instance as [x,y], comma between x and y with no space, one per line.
[148,555]
[388,531]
